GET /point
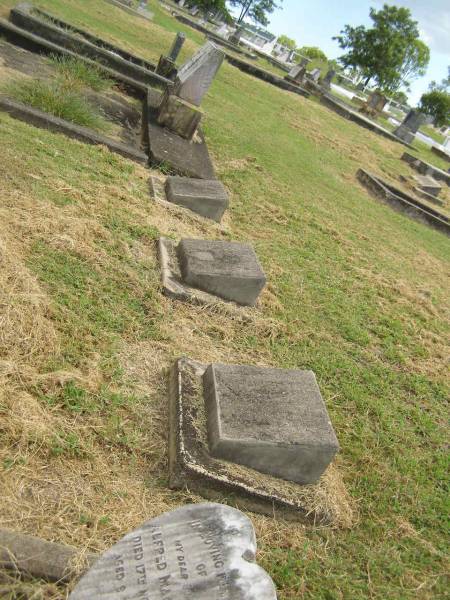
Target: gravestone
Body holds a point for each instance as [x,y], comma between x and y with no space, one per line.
[176,46]
[166,64]
[315,75]
[197,552]
[197,74]
[326,82]
[230,270]
[428,184]
[407,130]
[375,104]
[296,74]
[207,198]
[272,420]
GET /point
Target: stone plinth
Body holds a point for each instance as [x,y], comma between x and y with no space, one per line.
[229,270]
[179,116]
[197,552]
[207,198]
[272,420]
[428,184]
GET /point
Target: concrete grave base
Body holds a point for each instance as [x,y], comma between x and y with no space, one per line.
[272,420]
[181,117]
[174,286]
[229,270]
[191,465]
[173,152]
[403,202]
[428,184]
[425,168]
[442,153]
[207,198]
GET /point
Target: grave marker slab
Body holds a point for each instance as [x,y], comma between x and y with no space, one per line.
[207,198]
[272,420]
[230,270]
[197,74]
[428,184]
[198,552]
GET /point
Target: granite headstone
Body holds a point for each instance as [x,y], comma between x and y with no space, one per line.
[197,74]
[197,552]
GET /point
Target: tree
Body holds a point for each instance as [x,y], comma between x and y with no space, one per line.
[255,10]
[443,86]
[437,104]
[287,42]
[313,52]
[390,52]
[211,5]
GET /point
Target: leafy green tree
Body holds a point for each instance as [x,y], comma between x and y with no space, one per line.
[255,10]
[444,85]
[437,104]
[211,5]
[287,42]
[390,52]
[313,52]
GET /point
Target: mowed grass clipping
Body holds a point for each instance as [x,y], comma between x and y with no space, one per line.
[356,292]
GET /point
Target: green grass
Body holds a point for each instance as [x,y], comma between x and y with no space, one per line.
[57,98]
[433,134]
[76,74]
[357,292]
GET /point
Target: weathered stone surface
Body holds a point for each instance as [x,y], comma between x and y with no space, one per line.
[198,552]
[197,74]
[326,82]
[176,46]
[413,121]
[207,198]
[272,420]
[425,168]
[428,184]
[229,270]
[315,75]
[179,116]
[42,559]
[166,68]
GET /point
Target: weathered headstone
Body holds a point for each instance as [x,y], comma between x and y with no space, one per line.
[326,82]
[198,552]
[273,420]
[315,75]
[296,74]
[207,198]
[407,130]
[176,46]
[230,270]
[375,104]
[197,74]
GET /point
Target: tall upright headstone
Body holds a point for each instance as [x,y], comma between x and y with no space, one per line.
[326,81]
[198,552]
[407,130]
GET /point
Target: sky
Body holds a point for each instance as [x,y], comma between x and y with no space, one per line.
[315,23]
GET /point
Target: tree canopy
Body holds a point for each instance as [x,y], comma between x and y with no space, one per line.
[390,52]
[437,104]
[255,10]
[211,5]
[287,42]
[313,52]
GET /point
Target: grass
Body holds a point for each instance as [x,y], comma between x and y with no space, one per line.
[433,134]
[356,292]
[76,74]
[57,98]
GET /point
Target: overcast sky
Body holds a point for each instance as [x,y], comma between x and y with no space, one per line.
[315,23]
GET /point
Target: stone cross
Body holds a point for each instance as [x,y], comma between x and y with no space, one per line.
[197,552]
[176,46]
[197,74]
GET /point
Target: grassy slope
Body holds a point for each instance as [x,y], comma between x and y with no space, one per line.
[357,292]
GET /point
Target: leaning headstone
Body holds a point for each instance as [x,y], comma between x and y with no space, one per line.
[272,420]
[229,270]
[198,552]
[176,46]
[296,74]
[207,198]
[315,75]
[407,130]
[179,110]
[197,74]
[375,104]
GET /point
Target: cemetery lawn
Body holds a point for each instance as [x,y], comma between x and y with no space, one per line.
[356,292]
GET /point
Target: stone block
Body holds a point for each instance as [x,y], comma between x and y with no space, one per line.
[166,68]
[179,116]
[196,552]
[229,270]
[404,134]
[428,184]
[197,74]
[207,198]
[272,420]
